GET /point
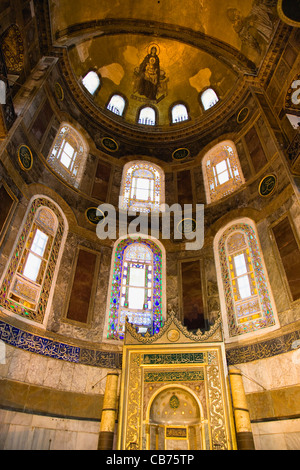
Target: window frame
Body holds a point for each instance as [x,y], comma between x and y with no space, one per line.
[37,311]
[97,89]
[128,203]
[212,158]
[268,321]
[77,141]
[155,116]
[115,287]
[204,92]
[174,105]
[124,107]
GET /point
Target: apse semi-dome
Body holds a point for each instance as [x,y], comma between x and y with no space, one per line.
[151,73]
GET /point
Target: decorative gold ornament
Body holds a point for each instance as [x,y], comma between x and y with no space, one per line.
[25,157]
[173,335]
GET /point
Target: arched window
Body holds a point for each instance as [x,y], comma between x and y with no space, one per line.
[91,82]
[136,287]
[68,154]
[246,300]
[142,187]
[179,113]
[147,116]
[222,172]
[209,98]
[116,104]
[27,283]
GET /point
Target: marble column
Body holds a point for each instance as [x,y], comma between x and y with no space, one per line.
[109,411]
[244,434]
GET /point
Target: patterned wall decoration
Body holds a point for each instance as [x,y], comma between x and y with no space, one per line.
[48,347]
[263,350]
[10,305]
[13,49]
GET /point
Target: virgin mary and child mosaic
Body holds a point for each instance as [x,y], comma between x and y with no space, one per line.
[150,80]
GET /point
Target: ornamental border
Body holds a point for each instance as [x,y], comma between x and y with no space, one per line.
[30,342]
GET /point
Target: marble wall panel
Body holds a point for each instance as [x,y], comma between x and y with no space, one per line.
[22,431]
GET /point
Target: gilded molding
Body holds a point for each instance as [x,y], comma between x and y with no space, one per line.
[173,332]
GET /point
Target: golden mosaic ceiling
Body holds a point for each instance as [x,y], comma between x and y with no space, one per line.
[199,44]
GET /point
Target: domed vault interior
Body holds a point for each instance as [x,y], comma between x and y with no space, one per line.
[129,333]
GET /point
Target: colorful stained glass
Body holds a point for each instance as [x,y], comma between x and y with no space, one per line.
[142,187]
[136,291]
[222,171]
[248,302]
[18,293]
[68,154]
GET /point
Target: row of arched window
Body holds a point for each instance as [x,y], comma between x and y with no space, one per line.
[142,187]
[147,114]
[137,285]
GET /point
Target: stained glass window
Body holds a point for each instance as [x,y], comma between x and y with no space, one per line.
[116,104]
[68,154]
[221,171]
[244,281]
[91,82]
[147,116]
[209,98]
[26,286]
[136,291]
[142,187]
[179,113]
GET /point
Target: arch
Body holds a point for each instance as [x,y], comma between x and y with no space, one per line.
[179,113]
[170,386]
[222,172]
[175,399]
[68,154]
[247,303]
[116,104]
[91,81]
[209,98]
[142,187]
[147,116]
[27,285]
[131,254]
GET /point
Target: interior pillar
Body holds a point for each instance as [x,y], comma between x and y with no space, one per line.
[109,411]
[244,434]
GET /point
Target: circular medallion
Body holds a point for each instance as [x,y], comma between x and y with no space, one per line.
[289,12]
[25,157]
[109,144]
[59,92]
[173,335]
[187,225]
[95,215]
[180,154]
[242,116]
[267,185]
